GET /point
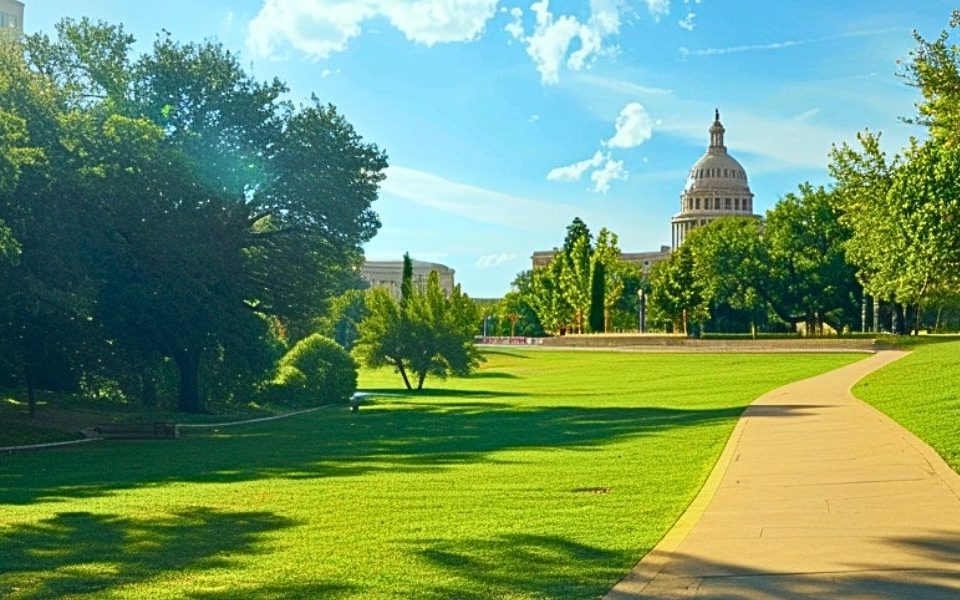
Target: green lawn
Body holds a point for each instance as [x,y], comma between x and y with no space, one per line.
[546,475]
[921,391]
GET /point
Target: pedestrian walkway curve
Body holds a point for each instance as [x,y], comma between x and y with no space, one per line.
[816,495]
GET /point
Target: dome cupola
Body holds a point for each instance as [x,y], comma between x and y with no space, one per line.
[716,187]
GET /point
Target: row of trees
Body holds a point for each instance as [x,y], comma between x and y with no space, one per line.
[883,238]
[739,273]
[584,288]
[168,223]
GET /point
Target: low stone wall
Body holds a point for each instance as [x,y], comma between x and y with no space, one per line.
[681,343]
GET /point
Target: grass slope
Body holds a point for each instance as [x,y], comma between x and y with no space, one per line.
[545,475]
[921,392]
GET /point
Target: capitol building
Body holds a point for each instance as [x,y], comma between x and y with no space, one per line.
[716,187]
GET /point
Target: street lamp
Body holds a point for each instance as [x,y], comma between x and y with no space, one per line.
[641,311]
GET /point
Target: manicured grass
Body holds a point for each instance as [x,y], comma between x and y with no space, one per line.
[921,391]
[546,475]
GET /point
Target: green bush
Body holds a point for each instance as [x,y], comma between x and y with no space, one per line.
[316,370]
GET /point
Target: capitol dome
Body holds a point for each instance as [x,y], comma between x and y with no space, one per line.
[716,187]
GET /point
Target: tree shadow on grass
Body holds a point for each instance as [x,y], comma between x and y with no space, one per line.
[394,436]
[523,565]
[83,553]
[435,392]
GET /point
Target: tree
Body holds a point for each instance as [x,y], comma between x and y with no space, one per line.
[575,277]
[576,230]
[432,334]
[810,278]
[607,253]
[597,302]
[934,68]
[677,297]
[343,316]
[194,199]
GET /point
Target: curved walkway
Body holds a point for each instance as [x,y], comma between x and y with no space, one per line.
[816,495]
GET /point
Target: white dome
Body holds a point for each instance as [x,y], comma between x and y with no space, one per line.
[716,187]
[717,172]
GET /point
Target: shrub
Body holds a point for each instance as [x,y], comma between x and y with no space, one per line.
[315,371]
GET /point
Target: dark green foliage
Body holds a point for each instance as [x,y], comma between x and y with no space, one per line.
[597,298]
[156,209]
[342,321]
[315,371]
[406,280]
[576,230]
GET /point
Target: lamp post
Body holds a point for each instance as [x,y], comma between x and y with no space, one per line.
[641,311]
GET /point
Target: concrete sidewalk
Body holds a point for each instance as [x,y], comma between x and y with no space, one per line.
[816,495]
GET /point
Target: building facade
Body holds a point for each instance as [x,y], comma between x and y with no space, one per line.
[388,274]
[11,18]
[717,187]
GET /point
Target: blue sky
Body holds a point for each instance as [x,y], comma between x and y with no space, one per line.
[504,120]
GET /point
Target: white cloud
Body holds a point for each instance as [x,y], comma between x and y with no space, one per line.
[575,171]
[603,170]
[786,43]
[565,40]
[321,27]
[688,21]
[480,204]
[533,118]
[493,260]
[658,8]
[634,127]
[612,170]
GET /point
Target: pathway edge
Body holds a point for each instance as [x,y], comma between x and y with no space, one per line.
[640,576]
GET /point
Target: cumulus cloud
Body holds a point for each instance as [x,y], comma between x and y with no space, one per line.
[634,126]
[565,40]
[575,171]
[603,170]
[611,170]
[488,261]
[320,28]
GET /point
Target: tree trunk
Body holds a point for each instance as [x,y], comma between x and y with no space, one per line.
[420,377]
[188,363]
[916,327]
[403,373]
[876,315]
[31,391]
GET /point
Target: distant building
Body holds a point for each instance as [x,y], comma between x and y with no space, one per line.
[542,258]
[389,274]
[11,18]
[716,187]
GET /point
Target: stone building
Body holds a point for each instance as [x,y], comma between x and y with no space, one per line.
[11,18]
[717,187]
[389,274]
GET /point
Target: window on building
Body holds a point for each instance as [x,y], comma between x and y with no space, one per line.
[7,20]
[736,204]
[698,203]
[726,203]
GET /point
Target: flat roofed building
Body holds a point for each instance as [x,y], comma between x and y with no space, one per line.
[542,258]
[11,18]
[389,274]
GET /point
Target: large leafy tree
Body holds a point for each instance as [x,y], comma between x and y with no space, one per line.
[202,201]
[810,278]
[678,298]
